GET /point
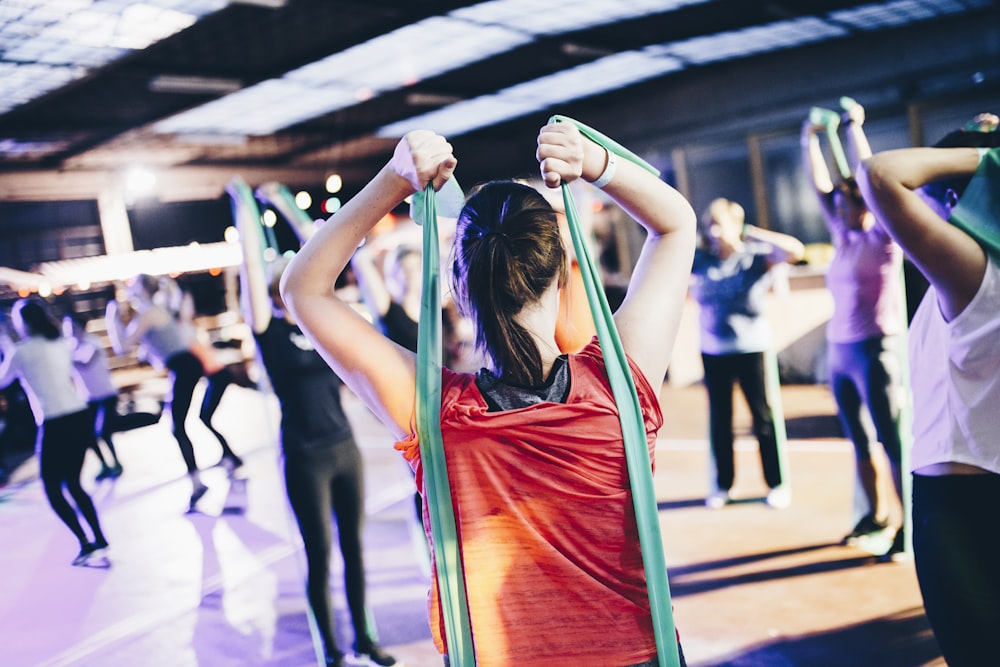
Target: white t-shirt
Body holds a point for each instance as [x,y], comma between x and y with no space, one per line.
[955,377]
[91,371]
[45,369]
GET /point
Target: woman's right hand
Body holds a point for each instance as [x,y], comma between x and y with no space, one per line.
[422,157]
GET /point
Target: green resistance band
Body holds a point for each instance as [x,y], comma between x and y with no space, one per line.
[772,382]
[978,211]
[630,414]
[831,121]
[244,204]
[447,558]
[283,200]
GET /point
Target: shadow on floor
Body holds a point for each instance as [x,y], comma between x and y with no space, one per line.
[680,588]
[901,640]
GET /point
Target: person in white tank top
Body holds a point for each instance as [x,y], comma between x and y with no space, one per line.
[936,203]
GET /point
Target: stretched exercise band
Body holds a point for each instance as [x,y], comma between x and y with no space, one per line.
[831,121]
[450,576]
[447,558]
[630,415]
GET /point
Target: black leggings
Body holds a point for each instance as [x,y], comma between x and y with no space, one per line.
[104,415]
[187,370]
[318,480]
[63,445]
[956,549]
[721,372]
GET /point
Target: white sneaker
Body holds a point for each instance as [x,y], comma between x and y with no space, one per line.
[779,498]
[717,500]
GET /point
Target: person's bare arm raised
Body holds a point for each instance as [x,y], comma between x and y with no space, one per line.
[948,257]
[649,317]
[381,373]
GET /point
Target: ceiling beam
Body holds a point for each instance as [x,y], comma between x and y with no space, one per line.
[173,184]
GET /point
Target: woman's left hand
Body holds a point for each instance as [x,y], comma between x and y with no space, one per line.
[561,153]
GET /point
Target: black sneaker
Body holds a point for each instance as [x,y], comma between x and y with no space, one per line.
[106,472]
[116,471]
[868,525]
[372,654]
[86,551]
[199,491]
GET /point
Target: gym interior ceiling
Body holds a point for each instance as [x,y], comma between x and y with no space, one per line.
[296,89]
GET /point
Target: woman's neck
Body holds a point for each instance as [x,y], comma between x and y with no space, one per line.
[539,320]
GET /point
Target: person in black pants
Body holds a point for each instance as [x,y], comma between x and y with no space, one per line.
[323,466]
[93,379]
[169,343]
[42,361]
[731,278]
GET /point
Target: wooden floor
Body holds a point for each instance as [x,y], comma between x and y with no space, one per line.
[751,586]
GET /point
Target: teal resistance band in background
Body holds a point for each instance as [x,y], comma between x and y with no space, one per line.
[447,558]
[978,210]
[244,204]
[831,121]
[630,414]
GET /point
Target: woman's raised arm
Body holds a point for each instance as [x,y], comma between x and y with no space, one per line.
[381,373]
[649,317]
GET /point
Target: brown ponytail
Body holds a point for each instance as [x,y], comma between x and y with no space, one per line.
[508,250]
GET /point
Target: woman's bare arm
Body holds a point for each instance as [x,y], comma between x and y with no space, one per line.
[649,317]
[948,257]
[381,373]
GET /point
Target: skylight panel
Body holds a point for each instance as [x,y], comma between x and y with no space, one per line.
[85,34]
[758,39]
[463,117]
[428,48]
[391,61]
[561,16]
[20,83]
[900,12]
[410,54]
[259,110]
[583,81]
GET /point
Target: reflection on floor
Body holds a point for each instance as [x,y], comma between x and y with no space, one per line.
[750,585]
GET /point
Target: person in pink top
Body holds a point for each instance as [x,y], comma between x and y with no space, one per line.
[863,345]
[532,441]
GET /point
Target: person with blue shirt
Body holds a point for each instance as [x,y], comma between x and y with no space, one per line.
[731,277]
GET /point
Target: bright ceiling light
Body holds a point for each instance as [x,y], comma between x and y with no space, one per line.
[139,181]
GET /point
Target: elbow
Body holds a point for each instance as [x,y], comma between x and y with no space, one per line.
[286,284]
[685,224]
[871,175]
[291,284]
[797,254]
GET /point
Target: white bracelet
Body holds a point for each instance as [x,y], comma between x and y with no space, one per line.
[608,173]
[982,153]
